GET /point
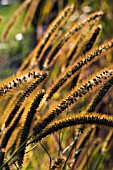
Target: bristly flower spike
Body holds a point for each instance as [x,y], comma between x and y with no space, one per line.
[73,97]
[47,36]
[70,33]
[77,119]
[21,99]
[14,81]
[83,44]
[76,67]
[98,97]
[30,14]
[28,116]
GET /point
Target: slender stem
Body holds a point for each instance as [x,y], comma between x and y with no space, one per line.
[15,153]
[46,152]
[74,143]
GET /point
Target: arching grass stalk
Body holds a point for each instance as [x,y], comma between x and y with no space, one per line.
[77,119]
